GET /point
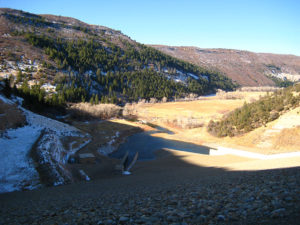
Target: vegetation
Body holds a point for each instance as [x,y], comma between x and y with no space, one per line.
[29,19]
[256,114]
[96,67]
[11,117]
[132,73]
[86,111]
[34,97]
[281,83]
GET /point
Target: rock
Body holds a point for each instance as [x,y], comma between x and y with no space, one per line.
[153,219]
[171,218]
[221,218]
[278,213]
[158,215]
[205,211]
[201,218]
[123,219]
[288,199]
[109,221]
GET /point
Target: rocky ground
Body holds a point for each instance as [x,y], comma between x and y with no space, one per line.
[221,197]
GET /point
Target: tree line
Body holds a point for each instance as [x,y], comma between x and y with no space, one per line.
[253,115]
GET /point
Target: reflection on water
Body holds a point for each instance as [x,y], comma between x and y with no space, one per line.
[146,145]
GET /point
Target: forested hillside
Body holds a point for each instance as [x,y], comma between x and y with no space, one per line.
[257,114]
[84,62]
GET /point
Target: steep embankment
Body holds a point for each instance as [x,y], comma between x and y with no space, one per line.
[38,137]
[244,67]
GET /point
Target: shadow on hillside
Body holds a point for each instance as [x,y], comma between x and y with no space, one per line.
[166,173]
[156,162]
[136,141]
[146,145]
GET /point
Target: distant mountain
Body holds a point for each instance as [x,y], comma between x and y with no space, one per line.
[244,67]
[75,61]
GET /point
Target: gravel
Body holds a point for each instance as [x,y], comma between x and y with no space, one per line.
[264,197]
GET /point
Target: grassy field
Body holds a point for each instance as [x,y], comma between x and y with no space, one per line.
[278,136]
[205,109]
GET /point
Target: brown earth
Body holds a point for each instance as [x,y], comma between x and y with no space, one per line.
[244,67]
[10,116]
[177,187]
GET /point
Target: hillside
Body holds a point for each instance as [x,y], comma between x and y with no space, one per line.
[258,113]
[35,149]
[244,67]
[77,62]
[179,186]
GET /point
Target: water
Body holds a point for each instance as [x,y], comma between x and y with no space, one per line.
[146,145]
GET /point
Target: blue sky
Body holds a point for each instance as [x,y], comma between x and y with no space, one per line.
[257,25]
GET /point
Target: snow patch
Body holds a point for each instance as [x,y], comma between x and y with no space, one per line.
[17,170]
[6,101]
[74,150]
[84,175]
[193,76]
[43,122]
[49,88]
[51,157]
[126,172]
[109,147]
[205,77]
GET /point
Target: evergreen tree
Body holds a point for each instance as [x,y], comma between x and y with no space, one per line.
[96,99]
[7,90]
[92,100]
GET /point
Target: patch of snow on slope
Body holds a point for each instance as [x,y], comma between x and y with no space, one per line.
[17,170]
[83,174]
[51,157]
[50,124]
[179,77]
[193,76]
[5,100]
[109,147]
[74,150]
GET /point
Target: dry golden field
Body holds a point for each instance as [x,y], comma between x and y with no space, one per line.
[278,136]
[200,111]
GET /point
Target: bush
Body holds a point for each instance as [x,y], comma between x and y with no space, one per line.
[187,122]
[88,111]
[130,111]
[11,117]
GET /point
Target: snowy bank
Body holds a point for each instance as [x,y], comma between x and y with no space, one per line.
[17,170]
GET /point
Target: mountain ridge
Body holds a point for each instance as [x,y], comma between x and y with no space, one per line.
[94,63]
[244,67]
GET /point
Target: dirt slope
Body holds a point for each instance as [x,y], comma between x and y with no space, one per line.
[244,67]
